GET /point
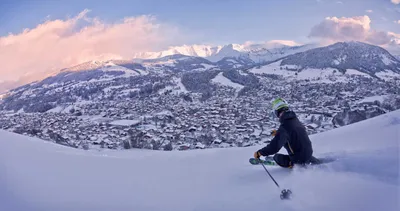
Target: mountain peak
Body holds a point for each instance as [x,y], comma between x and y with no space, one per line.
[345,55]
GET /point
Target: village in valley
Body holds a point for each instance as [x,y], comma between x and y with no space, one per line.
[172,119]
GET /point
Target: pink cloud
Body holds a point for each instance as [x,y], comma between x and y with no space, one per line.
[334,29]
[56,44]
[396,1]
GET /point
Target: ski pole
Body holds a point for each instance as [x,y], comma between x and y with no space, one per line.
[285,193]
[269,174]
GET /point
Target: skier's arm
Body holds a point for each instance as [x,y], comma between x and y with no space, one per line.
[276,143]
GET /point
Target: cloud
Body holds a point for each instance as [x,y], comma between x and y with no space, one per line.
[342,28]
[56,44]
[369,11]
[398,22]
[396,1]
[334,29]
[339,2]
[283,42]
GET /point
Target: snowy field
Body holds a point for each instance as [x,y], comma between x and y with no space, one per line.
[37,175]
[224,81]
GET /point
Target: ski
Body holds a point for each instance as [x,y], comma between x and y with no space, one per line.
[268,162]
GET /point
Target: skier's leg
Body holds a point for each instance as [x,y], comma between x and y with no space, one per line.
[283,160]
[314,161]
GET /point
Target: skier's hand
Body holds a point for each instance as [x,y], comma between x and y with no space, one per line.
[257,155]
[273,133]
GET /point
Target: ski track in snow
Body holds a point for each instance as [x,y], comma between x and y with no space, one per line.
[38,175]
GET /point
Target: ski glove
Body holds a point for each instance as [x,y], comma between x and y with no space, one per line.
[257,155]
[273,133]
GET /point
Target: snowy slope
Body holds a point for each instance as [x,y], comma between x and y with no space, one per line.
[315,75]
[38,175]
[222,80]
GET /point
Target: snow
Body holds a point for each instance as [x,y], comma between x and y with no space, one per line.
[164,113]
[386,60]
[356,72]
[243,73]
[57,109]
[125,122]
[266,51]
[109,88]
[326,75]
[313,125]
[66,108]
[182,87]
[95,118]
[177,88]
[112,68]
[110,64]
[39,175]
[200,145]
[208,66]
[127,91]
[387,75]
[2,96]
[189,50]
[273,68]
[339,60]
[142,72]
[314,74]
[291,67]
[27,93]
[221,79]
[379,98]
[217,141]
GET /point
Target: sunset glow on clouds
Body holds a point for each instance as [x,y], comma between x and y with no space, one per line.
[334,29]
[56,44]
[396,1]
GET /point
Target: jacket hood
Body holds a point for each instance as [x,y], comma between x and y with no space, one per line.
[287,115]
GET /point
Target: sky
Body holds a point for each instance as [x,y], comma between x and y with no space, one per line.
[216,22]
[53,34]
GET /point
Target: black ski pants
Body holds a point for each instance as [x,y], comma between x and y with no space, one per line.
[285,161]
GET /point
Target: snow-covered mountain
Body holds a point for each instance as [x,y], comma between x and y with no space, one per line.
[346,55]
[257,52]
[337,60]
[365,175]
[188,50]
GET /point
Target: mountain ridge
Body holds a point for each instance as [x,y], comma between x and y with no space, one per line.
[364,58]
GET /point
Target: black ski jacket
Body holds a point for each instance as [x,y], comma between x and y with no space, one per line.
[293,136]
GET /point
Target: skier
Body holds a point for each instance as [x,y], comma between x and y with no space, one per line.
[291,135]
